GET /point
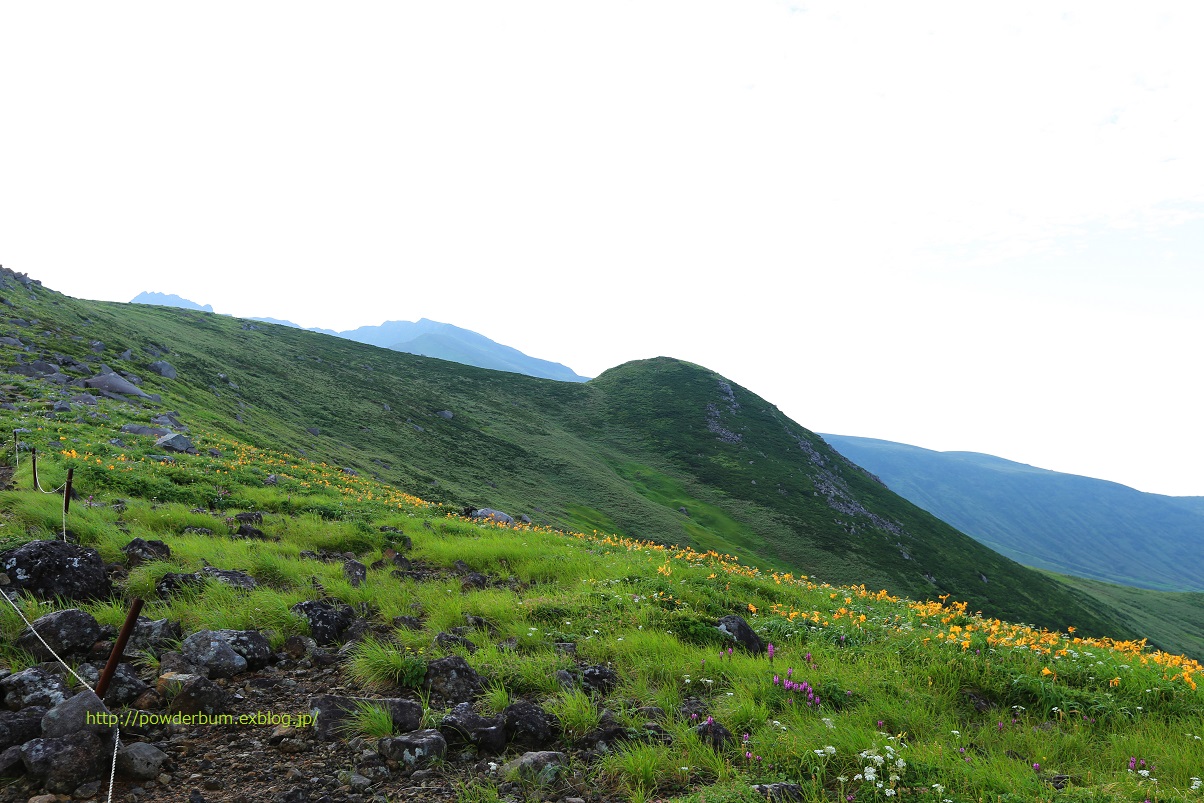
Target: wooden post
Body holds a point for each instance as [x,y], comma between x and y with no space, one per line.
[67,492]
[131,620]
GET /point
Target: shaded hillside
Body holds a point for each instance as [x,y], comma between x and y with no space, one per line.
[1062,522]
[624,453]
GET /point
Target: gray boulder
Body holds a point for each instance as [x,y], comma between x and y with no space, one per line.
[73,715]
[140,761]
[67,632]
[124,687]
[65,762]
[495,515]
[207,649]
[540,767]
[175,442]
[18,727]
[735,628]
[529,725]
[33,686]
[413,749]
[154,634]
[452,679]
[231,577]
[199,695]
[252,645]
[327,622]
[332,713]
[163,369]
[141,429]
[142,551]
[112,383]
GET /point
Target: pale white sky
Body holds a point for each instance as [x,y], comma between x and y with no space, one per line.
[953,225]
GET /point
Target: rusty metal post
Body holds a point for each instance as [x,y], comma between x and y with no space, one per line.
[67,492]
[131,620]
[33,455]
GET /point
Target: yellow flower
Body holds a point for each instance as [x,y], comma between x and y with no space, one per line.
[1114,681]
[752,608]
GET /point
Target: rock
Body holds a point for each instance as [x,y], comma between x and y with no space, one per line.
[33,686]
[326,621]
[230,577]
[169,420]
[176,442]
[208,649]
[172,582]
[537,767]
[462,722]
[69,631]
[112,383]
[332,713]
[452,679]
[98,346]
[735,628]
[141,429]
[49,569]
[413,749]
[127,355]
[10,760]
[565,678]
[198,695]
[355,572]
[297,647]
[163,369]
[124,686]
[83,712]
[141,551]
[714,734]
[153,634]
[61,407]
[252,645]
[474,581]
[528,725]
[447,414]
[448,641]
[313,430]
[18,727]
[779,792]
[64,762]
[601,679]
[140,761]
[495,515]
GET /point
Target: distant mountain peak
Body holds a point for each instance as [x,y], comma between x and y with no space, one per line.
[169,300]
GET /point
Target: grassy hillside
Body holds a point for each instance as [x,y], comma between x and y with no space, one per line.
[866,696]
[624,453]
[1061,522]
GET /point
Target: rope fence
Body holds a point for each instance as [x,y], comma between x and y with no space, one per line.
[131,619]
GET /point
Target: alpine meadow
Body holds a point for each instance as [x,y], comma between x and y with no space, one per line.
[375,576]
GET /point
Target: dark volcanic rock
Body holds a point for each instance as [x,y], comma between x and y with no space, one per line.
[73,715]
[230,577]
[65,762]
[124,687]
[452,679]
[142,551]
[735,628]
[413,749]
[199,695]
[779,792]
[176,442]
[332,713]
[326,621]
[714,734]
[601,679]
[66,632]
[528,725]
[141,429]
[18,727]
[208,649]
[33,686]
[50,569]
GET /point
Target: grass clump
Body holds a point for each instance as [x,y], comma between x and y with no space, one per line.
[368,719]
[377,665]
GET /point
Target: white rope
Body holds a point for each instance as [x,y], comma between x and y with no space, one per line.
[116,729]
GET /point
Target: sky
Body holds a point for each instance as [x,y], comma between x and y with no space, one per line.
[974,227]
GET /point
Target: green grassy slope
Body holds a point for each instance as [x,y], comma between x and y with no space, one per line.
[1061,522]
[623,452]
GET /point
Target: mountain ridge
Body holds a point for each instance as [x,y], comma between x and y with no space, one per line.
[425,337]
[1091,528]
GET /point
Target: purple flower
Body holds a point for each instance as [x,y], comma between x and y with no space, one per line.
[1036,767]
